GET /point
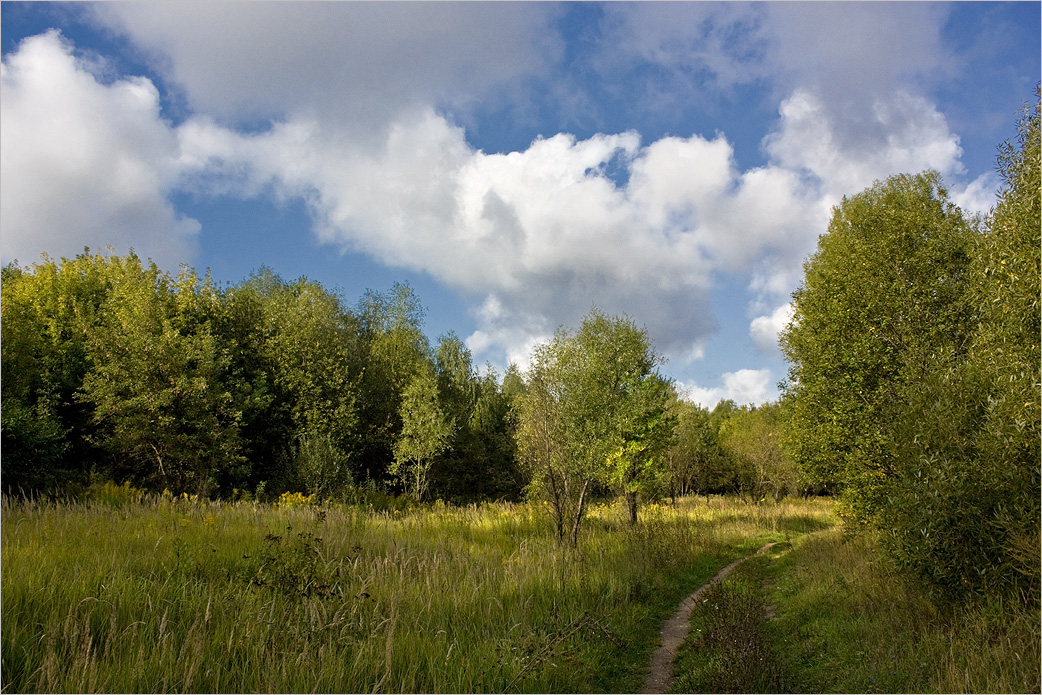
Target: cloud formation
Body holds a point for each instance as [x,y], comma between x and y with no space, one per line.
[764,330]
[744,387]
[358,114]
[362,63]
[84,163]
[539,234]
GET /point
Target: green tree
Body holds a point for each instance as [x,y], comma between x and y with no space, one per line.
[647,429]
[48,312]
[886,289]
[310,349]
[156,382]
[966,511]
[593,412]
[753,438]
[541,433]
[692,462]
[426,432]
[394,350]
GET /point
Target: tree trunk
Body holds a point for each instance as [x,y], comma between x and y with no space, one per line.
[631,506]
[579,515]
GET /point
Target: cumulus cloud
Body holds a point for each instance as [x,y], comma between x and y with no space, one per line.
[809,139]
[361,63]
[540,234]
[363,110]
[84,163]
[764,330]
[544,233]
[978,196]
[744,387]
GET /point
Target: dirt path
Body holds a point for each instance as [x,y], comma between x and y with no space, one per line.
[675,630]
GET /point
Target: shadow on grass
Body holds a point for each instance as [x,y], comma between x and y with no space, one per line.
[803,523]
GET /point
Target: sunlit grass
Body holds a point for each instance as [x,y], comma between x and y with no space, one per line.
[122,595]
[840,619]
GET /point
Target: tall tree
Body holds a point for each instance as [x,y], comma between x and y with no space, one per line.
[48,311]
[156,382]
[966,512]
[541,435]
[886,288]
[395,350]
[753,439]
[692,462]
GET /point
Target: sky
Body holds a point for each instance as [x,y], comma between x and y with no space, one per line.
[516,164]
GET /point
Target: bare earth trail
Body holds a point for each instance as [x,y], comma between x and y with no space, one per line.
[675,630]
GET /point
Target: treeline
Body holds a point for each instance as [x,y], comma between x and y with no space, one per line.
[914,383]
[114,370]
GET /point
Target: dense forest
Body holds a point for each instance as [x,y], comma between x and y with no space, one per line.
[114,370]
[913,391]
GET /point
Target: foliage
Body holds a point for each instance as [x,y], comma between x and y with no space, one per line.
[966,513]
[49,311]
[915,378]
[322,466]
[112,367]
[692,463]
[593,412]
[425,434]
[156,384]
[394,349]
[752,438]
[34,445]
[885,290]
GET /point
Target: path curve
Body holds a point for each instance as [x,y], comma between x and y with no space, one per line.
[675,630]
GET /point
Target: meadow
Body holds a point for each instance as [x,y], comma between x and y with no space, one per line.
[128,593]
[827,613]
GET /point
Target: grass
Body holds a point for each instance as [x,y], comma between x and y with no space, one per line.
[826,614]
[129,594]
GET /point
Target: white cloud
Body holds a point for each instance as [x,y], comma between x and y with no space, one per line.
[764,330]
[361,132]
[913,136]
[83,163]
[979,195]
[744,387]
[361,63]
[546,232]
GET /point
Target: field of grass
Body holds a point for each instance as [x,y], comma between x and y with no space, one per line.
[147,595]
[825,614]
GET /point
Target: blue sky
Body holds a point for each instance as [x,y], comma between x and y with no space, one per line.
[516,164]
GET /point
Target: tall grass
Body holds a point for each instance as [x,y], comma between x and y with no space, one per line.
[831,615]
[127,595]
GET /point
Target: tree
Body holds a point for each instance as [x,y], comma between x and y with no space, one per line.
[593,412]
[541,435]
[425,434]
[394,351]
[156,382]
[646,431]
[886,289]
[692,461]
[966,510]
[49,311]
[753,438]
[310,351]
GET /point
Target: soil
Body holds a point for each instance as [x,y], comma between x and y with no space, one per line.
[675,630]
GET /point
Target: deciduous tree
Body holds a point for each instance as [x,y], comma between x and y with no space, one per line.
[886,289]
